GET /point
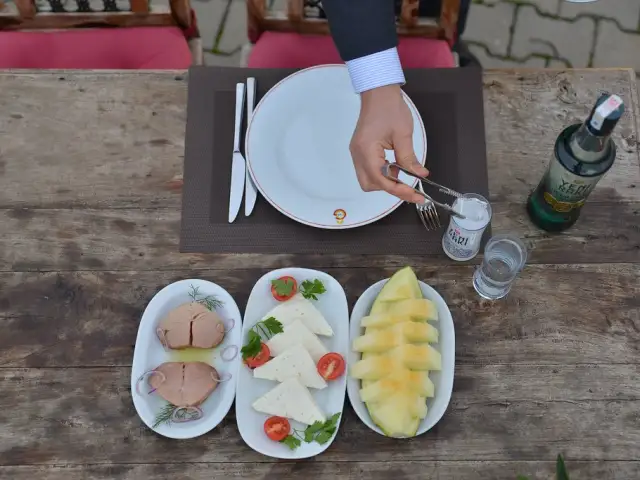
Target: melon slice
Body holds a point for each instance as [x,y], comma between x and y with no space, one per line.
[400,415]
[419,309]
[374,367]
[384,320]
[383,340]
[402,284]
[415,357]
[401,380]
[418,357]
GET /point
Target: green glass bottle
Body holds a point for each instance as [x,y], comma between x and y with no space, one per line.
[583,154]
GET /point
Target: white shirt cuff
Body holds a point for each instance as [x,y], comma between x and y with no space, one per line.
[376,70]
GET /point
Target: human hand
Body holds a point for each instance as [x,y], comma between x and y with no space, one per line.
[385,123]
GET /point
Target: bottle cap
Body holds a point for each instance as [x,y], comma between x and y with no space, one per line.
[605,115]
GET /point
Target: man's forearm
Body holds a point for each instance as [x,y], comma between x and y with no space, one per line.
[364,32]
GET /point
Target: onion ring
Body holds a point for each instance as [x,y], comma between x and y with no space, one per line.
[186,414]
[162,337]
[226,330]
[144,376]
[235,354]
[220,379]
[233,324]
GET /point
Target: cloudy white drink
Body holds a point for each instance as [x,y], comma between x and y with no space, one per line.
[461,241]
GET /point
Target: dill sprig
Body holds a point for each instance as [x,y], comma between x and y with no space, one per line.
[165,415]
[210,302]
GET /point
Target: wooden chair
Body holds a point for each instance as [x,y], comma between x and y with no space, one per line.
[99,34]
[299,37]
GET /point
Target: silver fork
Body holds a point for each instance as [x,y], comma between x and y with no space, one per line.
[427,211]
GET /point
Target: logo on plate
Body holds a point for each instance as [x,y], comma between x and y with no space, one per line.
[340,215]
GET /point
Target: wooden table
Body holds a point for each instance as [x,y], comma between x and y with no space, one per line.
[90,176]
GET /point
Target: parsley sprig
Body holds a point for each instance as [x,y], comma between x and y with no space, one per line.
[311,289]
[210,302]
[320,432]
[291,441]
[283,286]
[268,327]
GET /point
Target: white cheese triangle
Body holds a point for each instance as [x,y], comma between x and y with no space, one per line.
[292,400]
[299,308]
[295,333]
[295,361]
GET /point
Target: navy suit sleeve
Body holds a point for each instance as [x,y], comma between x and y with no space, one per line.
[361,27]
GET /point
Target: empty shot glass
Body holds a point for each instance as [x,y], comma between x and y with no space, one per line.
[504,258]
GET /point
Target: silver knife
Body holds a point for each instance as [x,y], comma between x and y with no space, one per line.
[251,192]
[238,166]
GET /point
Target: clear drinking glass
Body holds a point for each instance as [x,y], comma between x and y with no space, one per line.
[504,258]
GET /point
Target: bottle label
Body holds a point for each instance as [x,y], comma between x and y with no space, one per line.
[566,191]
[459,243]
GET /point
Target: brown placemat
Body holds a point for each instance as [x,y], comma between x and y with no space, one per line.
[451,105]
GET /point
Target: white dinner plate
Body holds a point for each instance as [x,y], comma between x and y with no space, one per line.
[149,353]
[297,151]
[333,306]
[443,380]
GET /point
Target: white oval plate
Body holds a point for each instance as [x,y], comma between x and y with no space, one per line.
[149,353]
[443,380]
[333,306]
[297,151]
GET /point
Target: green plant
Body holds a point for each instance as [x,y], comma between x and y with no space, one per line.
[561,470]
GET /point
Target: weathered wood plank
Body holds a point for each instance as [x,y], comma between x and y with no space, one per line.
[440,469]
[91,410]
[117,138]
[540,383]
[564,314]
[147,239]
[91,138]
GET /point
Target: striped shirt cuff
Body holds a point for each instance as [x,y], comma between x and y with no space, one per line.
[376,70]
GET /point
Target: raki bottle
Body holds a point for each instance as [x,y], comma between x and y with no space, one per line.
[583,154]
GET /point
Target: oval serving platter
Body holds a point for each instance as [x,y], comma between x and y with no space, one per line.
[149,353]
[443,380]
[333,306]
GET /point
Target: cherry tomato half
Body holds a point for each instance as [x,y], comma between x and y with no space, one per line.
[277,428]
[261,358]
[284,288]
[331,366]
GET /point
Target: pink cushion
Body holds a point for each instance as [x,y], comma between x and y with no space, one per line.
[292,50]
[96,48]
